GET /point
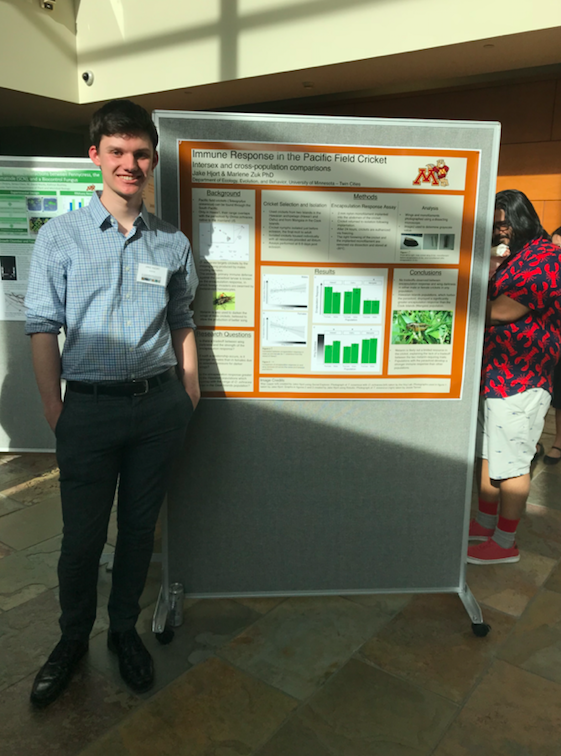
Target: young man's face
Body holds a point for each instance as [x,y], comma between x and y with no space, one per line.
[126,162]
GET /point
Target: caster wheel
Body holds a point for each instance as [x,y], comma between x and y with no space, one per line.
[166,636]
[481,629]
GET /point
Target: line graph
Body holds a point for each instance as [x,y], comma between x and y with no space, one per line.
[282,291]
[284,329]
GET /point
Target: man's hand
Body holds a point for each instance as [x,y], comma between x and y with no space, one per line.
[185,348]
[194,392]
[46,364]
[52,413]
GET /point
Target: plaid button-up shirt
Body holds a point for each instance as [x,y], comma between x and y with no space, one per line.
[84,278]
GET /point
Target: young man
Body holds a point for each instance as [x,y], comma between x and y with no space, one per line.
[522,347]
[120,282]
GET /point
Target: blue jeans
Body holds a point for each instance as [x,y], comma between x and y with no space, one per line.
[102,440]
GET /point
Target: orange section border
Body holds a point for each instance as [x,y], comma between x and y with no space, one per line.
[464,267]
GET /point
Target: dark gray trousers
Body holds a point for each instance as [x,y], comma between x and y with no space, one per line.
[102,440]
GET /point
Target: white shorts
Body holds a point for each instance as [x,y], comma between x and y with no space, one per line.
[508,430]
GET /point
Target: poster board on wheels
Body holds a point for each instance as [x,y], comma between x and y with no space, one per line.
[32,191]
[343,273]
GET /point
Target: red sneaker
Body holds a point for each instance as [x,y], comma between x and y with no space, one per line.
[478,533]
[491,553]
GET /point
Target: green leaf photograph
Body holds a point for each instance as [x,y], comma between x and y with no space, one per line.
[422,327]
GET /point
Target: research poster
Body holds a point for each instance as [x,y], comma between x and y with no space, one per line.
[329,271]
[29,198]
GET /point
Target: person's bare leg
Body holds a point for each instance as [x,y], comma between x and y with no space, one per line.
[514,494]
[489,490]
[483,526]
[555,453]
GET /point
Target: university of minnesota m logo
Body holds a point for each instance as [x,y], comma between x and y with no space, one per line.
[432,174]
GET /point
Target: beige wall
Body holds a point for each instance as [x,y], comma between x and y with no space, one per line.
[38,49]
[530,116]
[139,46]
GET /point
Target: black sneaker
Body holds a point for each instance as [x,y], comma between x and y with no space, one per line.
[135,663]
[56,673]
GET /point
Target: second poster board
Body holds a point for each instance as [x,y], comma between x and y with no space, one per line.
[33,190]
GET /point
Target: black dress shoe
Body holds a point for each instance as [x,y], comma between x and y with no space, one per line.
[135,663]
[55,674]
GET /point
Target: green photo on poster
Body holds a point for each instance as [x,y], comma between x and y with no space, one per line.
[422,327]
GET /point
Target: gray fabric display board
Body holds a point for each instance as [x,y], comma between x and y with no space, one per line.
[32,190]
[290,494]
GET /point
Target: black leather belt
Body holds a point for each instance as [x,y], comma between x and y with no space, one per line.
[136,387]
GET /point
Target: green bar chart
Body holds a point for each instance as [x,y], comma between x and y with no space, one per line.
[371,307]
[336,351]
[347,349]
[350,299]
[351,303]
[337,303]
[369,351]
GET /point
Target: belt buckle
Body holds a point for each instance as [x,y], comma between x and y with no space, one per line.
[143,382]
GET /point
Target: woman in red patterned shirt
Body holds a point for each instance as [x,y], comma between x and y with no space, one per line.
[522,347]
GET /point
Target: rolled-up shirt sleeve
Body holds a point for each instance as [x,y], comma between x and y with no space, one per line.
[45,300]
[182,288]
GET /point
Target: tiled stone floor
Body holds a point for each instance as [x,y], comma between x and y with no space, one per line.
[380,675]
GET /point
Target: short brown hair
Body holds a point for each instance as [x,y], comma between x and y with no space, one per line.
[121,117]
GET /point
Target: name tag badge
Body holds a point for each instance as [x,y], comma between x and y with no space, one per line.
[152,274]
